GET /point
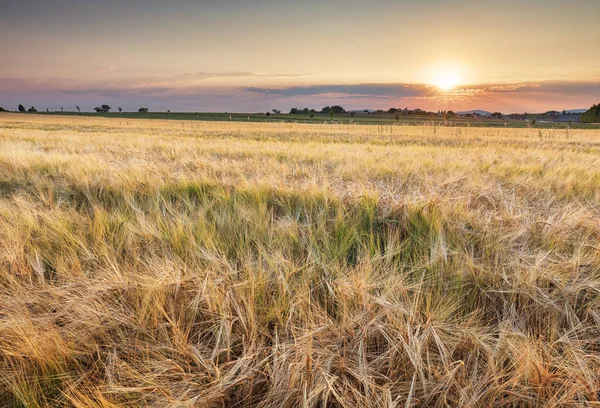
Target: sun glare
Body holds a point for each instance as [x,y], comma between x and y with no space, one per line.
[446,80]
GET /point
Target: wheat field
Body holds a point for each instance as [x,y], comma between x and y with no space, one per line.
[182,264]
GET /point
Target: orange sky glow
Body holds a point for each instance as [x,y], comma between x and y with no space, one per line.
[234,55]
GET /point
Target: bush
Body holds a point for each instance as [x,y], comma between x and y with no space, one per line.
[143,110]
[592,115]
[22,108]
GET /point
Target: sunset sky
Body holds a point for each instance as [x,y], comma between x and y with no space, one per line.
[250,56]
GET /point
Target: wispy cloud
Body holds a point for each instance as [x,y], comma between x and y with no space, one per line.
[384,91]
[231,91]
[395,90]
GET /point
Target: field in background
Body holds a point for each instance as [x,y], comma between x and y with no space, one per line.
[358,119]
[215,264]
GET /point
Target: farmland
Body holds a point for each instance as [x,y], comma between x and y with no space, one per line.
[231,263]
[373,119]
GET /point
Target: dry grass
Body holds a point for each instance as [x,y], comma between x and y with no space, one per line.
[211,264]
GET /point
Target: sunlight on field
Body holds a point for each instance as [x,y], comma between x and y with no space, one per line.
[173,263]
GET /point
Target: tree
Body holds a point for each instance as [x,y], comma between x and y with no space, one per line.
[331,113]
[268,116]
[497,115]
[32,110]
[22,109]
[336,109]
[276,111]
[294,111]
[2,109]
[592,115]
[62,109]
[120,109]
[102,109]
[142,110]
[312,114]
[78,109]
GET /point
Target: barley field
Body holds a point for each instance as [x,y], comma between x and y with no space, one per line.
[215,264]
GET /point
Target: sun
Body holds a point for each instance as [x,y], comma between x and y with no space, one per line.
[446,80]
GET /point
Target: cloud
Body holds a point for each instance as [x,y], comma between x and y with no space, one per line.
[213,91]
[385,91]
[396,90]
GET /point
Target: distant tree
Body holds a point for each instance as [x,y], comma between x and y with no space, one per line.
[397,116]
[62,109]
[268,116]
[22,108]
[497,115]
[120,109]
[102,109]
[142,110]
[2,109]
[312,115]
[305,111]
[331,113]
[32,110]
[592,115]
[336,109]
[276,111]
[78,109]
[294,111]
[47,110]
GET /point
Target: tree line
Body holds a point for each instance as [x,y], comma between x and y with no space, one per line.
[99,109]
[592,115]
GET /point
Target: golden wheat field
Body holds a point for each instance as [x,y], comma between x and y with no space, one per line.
[199,264]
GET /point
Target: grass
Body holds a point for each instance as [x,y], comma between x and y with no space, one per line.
[346,118]
[149,263]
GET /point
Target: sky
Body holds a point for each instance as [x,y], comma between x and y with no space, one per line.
[256,55]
